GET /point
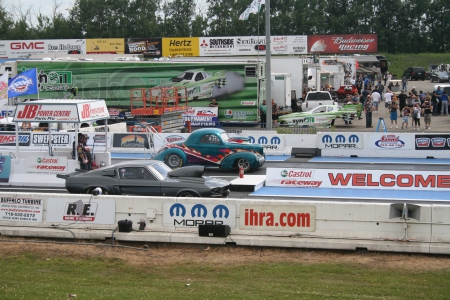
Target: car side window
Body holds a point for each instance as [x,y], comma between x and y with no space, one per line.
[330,108]
[210,139]
[320,110]
[199,76]
[135,173]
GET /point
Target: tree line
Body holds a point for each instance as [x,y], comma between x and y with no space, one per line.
[402,26]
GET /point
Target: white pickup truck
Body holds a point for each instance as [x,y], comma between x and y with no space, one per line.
[316,98]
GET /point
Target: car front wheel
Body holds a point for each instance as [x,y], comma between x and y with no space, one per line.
[243,163]
[174,161]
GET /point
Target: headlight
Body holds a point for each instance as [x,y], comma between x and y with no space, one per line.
[216,190]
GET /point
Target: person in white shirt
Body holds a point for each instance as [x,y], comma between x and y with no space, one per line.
[388,98]
[376,99]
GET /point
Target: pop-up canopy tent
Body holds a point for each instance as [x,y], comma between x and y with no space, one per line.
[61,111]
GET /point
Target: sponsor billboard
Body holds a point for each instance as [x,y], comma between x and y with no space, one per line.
[5,168]
[277,218]
[148,47]
[188,46]
[268,141]
[105,46]
[46,164]
[58,139]
[432,142]
[21,209]
[194,214]
[217,46]
[358,179]
[25,48]
[202,116]
[343,43]
[390,141]
[340,141]
[94,211]
[9,139]
[124,140]
[293,44]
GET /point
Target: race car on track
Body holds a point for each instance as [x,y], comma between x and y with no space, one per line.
[147,178]
[213,147]
[198,83]
[323,115]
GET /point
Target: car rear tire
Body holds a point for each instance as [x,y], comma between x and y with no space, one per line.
[243,163]
[89,191]
[174,161]
[188,194]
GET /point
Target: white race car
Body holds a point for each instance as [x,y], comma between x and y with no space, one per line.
[323,115]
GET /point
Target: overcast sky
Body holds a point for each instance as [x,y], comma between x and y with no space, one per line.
[43,6]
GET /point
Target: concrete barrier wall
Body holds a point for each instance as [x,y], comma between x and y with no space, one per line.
[298,224]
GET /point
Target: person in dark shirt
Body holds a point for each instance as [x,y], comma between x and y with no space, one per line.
[213,103]
[365,93]
[402,100]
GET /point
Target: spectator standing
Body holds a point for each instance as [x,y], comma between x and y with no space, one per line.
[416,117]
[389,77]
[444,104]
[263,113]
[434,104]
[406,112]
[388,99]
[402,101]
[414,91]
[438,93]
[83,157]
[274,112]
[380,89]
[404,82]
[385,78]
[365,93]
[422,97]
[213,103]
[368,106]
[427,111]
[393,108]
[366,82]
[376,99]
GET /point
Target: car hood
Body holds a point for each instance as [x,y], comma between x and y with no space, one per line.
[191,171]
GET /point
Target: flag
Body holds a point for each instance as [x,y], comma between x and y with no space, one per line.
[23,84]
[4,87]
[254,8]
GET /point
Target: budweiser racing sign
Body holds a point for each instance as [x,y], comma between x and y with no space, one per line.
[345,43]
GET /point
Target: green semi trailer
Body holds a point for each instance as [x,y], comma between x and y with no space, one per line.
[237,86]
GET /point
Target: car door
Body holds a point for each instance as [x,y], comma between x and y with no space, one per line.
[211,148]
[138,181]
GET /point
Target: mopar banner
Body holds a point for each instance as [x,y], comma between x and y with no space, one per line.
[9,139]
[233,84]
[5,168]
[202,116]
[132,140]
[344,43]
[94,211]
[433,142]
[268,141]
[187,46]
[192,215]
[340,140]
[149,48]
[105,46]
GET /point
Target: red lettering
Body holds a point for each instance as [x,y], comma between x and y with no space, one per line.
[429,181]
[282,219]
[359,180]
[383,181]
[370,182]
[270,220]
[29,112]
[339,179]
[443,181]
[409,180]
[86,111]
[25,45]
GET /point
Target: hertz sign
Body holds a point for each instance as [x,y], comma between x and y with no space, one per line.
[269,142]
[340,141]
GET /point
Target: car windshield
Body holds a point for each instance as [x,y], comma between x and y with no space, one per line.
[443,73]
[186,75]
[225,137]
[160,168]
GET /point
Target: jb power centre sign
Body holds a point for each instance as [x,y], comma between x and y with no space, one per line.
[358,179]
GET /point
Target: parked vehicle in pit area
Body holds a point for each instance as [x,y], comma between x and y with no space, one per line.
[323,115]
[345,90]
[147,178]
[415,73]
[439,76]
[213,147]
[316,98]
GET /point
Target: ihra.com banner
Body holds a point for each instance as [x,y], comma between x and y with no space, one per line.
[358,179]
[194,46]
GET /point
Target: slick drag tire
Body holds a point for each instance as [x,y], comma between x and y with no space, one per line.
[174,161]
[245,164]
[89,191]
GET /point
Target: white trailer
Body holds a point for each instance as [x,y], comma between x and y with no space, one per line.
[281,88]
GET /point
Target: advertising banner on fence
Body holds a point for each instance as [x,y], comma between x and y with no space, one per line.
[268,141]
[217,46]
[358,179]
[343,43]
[25,48]
[9,139]
[148,47]
[21,209]
[390,141]
[202,116]
[95,211]
[129,140]
[187,46]
[432,142]
[48,165]
[105,46]
[294,44]
[5,168]
[340,140]
[277,218]
[192,215]
[58,139]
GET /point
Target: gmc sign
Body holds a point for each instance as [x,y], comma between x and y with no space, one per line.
[27,45]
